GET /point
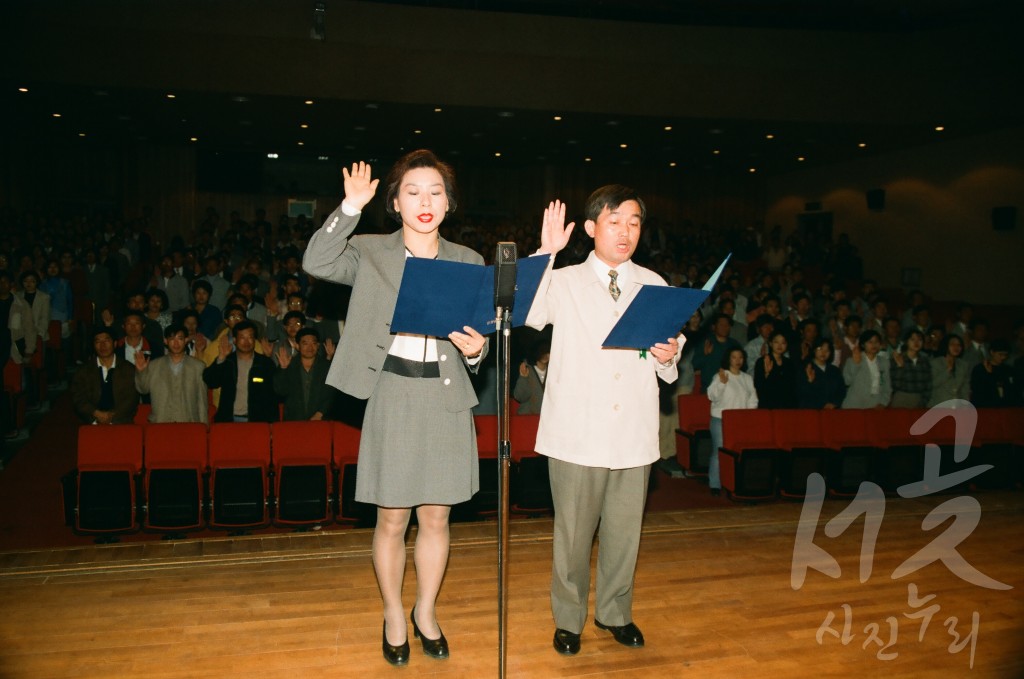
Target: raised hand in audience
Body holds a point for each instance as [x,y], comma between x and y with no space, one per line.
[284,357]
[141,361]
[329,348]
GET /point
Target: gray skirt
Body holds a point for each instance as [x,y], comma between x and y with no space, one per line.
[412,451]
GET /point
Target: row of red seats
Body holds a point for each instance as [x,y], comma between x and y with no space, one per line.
[770,451]
[174,478]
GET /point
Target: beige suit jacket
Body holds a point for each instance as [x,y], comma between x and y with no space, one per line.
[600,405]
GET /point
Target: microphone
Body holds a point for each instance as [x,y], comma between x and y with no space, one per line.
[505,276]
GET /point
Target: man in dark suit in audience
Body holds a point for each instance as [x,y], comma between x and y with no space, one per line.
[302,379]
[244,377]
[103,392]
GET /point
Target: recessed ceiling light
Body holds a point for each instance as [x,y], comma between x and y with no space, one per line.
[417,131]
[56,115]
[939,128]
[716,152]
[769,136]
[557,118]
[497,154]
[586,160]
[301,143]
[170,96]
[304,126]
[668,128]
[271,155]
[800,159]
[308,102]
[193,138]
[861,145]
[506,114]
[753,169]
[322,158]
[240,99]
[23,89]
[437,110]
[672,164]
[81,134]
[622,146]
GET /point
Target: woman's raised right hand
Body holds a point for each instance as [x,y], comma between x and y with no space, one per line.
[359,185]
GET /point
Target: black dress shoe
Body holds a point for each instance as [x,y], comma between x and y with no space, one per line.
[435,648]
[566,642]
[396,655]
[627,635]
[716,492]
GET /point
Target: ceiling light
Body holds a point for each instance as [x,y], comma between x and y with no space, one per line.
[586,160]
[322,158]
[193,138]
[23,89]
[622,146]
[272,155]
[753,169]
[800,159]
[437,110]
[668,128]
[417,131]
[304,126]
[672,164]
[939,128]
[81,134]
[769,136]
[56,115]
[861,145]
[240,99]
[308,102]
[301,143]
[497,154]
[557,118]
[506,114]
[170,96]
[716,152]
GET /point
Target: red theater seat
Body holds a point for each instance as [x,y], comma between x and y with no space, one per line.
[798,435]
[747,458]
[109,465]
[693,437]
[303,472]
[239,475]
[345,439]
[530,486]
[175,476]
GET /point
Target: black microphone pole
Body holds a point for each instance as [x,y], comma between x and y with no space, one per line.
[504,298]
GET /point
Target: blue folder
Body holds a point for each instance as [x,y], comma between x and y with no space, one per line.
[657,313]
[437,297]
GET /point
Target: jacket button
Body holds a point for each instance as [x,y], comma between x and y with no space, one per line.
[444,357]
[447,381]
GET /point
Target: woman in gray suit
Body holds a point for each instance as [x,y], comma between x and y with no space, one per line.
[418,444]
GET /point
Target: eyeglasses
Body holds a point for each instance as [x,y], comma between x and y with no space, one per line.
[235,317]
[295,302]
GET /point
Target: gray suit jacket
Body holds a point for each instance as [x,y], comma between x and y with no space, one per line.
[373,266]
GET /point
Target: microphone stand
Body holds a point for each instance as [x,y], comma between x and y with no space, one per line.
[504,324]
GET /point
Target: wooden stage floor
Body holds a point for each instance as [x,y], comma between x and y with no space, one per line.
[713,597]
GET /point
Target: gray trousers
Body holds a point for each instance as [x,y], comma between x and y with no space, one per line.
[583,498]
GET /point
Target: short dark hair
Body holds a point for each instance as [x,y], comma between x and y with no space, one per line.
[612,196]
[173,329]
[132,312]
[200,283]
[866,336]
[233,307]
[944,344]
[306,332]
[26,274]
[244,325]
[293,314]
[157,292]
[727,355]
[411,161]
[831,348]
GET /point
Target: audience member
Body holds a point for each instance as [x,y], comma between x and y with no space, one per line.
[176,287]
[867,378]
[244,377]
[301,379]
[157,308]
[706,360]
[950,378]
[820,385]
[992,383]
[173,381]
[104,392]
[775,375]
[529,389]
[731,388]
[911,373]
[208,316]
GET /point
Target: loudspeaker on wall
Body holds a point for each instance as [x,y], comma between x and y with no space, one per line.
[1004,218]
[876,199]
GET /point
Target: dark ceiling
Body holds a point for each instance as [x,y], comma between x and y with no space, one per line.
[246,123]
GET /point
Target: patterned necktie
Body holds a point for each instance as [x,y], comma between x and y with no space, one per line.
[613,287]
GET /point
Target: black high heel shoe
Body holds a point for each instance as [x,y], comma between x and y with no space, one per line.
[435,648]
[396,655]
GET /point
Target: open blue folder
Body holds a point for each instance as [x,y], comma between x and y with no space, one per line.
[437,297]
[658,312]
